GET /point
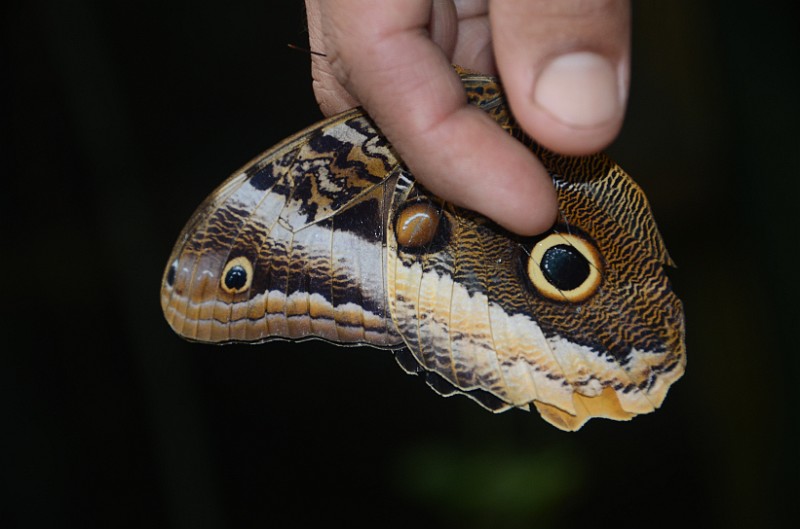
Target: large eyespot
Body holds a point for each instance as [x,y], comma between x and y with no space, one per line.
[418,225]
[565,267]
[237,276]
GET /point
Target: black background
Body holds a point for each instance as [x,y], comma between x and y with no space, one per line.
[119,118]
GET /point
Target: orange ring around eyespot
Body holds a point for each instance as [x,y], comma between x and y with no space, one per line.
[547,289]
[245,263]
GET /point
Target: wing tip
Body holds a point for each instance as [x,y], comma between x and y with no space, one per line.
[606,405]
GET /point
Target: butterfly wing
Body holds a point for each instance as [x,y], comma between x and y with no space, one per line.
[580,321]
[291,245]
[473,309]
[327,235]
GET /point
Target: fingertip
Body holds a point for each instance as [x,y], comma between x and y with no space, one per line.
[539,212]
[565,69]
[529,208]
[518,192]
[580,90]
[490,172]
[576,104]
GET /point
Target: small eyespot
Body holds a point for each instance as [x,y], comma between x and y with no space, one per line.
[565,267]
[173,268]
[417,224]
[237,276]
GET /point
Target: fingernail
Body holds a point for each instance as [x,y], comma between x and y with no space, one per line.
[579,89]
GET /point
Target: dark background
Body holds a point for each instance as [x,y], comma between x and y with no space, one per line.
[119,118]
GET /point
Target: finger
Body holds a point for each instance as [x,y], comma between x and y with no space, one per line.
[565,68]
[474,45]
[381,53]
[443,25]
[331,96]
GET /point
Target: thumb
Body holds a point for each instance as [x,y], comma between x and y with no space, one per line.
[565,68]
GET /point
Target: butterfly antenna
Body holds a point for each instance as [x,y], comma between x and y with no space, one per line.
[565,220]
[305,50]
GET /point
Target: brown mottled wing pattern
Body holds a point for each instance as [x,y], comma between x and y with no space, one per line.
[305,221]
[311,240]
[468,312]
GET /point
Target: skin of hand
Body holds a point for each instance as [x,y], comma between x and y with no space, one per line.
[565,70]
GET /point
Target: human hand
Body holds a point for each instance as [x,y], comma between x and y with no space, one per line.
[564,65]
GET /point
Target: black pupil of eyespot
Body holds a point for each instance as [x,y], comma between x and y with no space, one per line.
[565,267]
[236,277]
[171,274]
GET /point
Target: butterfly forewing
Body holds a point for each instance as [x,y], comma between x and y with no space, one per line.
[301,221]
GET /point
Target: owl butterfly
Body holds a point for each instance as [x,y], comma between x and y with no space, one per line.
[327,235]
